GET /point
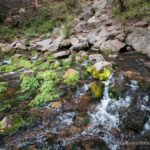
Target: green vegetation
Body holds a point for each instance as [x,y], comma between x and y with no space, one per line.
[43,97]
[3,87]
[42,20]
[7,32]
[133,9]
[97,89]
[29,84]
[102,75]
[72,79]
[16,64]
[15,123]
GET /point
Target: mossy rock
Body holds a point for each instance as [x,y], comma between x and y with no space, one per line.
[71,77]
[97,89]
[11,124]
[102,75]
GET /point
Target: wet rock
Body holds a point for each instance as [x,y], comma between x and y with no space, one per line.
[96,58]
[112,45]
[135,120]
[119,86]
[142,24]
[61,54]
[113,56]
[97,89]
[80,46]
[56,105]
[140,42]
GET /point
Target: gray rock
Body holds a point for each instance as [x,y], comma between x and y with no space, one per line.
[142,24]
[100,65]
[43,45]
[80,46]
[19,45]
[96,58]
[74,40]
[121,37]
[7,49]
[100,38]
[55,44]
[65,43]
[87,13]
[91,37]
[112,45]
[62,54]
[140,42]
[81,27]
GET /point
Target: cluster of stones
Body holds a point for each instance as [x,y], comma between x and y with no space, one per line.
[95,29]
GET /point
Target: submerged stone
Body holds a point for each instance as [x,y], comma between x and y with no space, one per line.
[97,89]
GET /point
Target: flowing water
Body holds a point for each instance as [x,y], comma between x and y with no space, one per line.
[82,122]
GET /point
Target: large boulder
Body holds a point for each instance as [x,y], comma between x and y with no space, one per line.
[101,70]
[140,42]
[113,46]
[43,45]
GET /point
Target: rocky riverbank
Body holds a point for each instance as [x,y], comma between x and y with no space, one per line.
[87,91]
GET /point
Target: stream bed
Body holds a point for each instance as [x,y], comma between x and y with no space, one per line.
[119,120]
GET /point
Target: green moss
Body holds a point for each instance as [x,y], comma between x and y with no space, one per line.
[3,87]
[13,126]
[49,75]
[105,74]
[48,86]
[101,75]
[29,84]
[44,97]
[97,89]
[73,79]
[16,64]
